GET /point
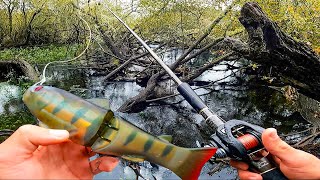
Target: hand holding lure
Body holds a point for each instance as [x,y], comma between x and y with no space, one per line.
[98,128]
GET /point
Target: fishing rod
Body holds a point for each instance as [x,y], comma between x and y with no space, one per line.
[212,119]
[236,139]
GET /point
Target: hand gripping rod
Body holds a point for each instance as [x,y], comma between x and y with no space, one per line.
[212,119]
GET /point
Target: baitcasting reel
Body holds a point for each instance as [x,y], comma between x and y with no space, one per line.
[241,141]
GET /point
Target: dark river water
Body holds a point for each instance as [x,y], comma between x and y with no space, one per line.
[261,106]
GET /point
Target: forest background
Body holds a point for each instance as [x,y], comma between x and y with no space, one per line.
[43,30]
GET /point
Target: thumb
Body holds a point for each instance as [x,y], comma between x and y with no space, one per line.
[28,138]
[276,146]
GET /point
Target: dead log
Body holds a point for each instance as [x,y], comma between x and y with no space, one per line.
[17,68]
[295,61]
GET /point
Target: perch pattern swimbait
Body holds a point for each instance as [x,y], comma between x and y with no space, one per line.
[96,127]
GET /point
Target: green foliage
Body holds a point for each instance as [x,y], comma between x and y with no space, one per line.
[300,19]
[184,21]
[36,22]
[179,22]
[43,54]
[14,121]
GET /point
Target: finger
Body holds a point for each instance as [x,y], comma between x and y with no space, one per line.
[239,165]
[276,159]
[28,137]
[76,158]
[249,175]
[105,163]
[108,163]
[276,146]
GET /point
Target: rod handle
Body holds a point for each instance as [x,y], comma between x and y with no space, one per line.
[191,97]
[212,119]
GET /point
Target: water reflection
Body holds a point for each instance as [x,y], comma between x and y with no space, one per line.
[123,171]
[9,98]
[12,111]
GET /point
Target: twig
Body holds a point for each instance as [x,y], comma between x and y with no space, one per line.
[104,51]
[6,132]
[208,66]
[207,32]
[128,62]
[200,87]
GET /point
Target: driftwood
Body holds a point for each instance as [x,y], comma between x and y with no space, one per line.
[17,68]
[295,61]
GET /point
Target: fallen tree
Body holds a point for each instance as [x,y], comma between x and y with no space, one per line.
[293,61]
[17,68]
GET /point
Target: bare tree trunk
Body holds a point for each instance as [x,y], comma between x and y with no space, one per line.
[108,41]
[10,22]
[269,46]
[29,26]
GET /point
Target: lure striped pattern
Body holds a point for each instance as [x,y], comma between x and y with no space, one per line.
[59,109]
[91,125]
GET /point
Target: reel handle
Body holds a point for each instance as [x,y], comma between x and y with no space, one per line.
[267,168]
[274,174]
[242,141]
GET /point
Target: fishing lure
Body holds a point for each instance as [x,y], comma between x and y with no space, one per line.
[96,127]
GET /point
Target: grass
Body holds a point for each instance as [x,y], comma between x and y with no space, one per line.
[15,120]
[43,54]
[33,55]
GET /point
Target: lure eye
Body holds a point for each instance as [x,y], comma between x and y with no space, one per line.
[38,88]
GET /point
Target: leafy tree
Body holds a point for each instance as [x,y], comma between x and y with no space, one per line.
[184,20]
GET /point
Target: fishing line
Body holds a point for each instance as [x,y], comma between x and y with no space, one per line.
[44,79]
